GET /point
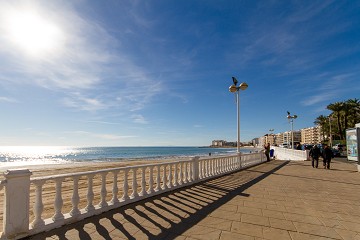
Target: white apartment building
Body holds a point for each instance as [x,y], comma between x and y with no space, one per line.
[287,137]
[311,135]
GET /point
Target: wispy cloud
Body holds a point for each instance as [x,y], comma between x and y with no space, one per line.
[100,136]
[81,65]
[137,118]
[6,99]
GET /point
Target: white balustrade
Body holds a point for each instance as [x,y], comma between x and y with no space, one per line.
[115,189]
[58,203]
[90,194]
[169,176]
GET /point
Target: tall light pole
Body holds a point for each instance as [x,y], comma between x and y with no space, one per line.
[291,120]
[271,131]
[236,89]
[330,131]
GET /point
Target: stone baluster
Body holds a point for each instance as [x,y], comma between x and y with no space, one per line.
[38,206]
[103,191]
[151,180]
[158,187]
[185,172]
[143,182]
[164,186]
[90,194]
[134,185]
[58,203]
[75,199]
[170,176]
[181,177]
[176,177]
[125,196]
[115,189]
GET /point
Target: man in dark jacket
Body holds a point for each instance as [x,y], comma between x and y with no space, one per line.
[315,154]
[327,156]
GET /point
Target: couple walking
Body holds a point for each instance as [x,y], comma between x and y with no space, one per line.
[326,154]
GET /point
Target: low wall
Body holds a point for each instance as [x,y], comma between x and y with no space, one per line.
[113,188]
[290,154]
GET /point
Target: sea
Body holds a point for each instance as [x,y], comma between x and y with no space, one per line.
[43,155]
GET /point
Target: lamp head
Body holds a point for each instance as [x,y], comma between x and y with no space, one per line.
[233,88]
[243,86]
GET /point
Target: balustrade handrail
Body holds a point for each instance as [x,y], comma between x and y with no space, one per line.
[144,181]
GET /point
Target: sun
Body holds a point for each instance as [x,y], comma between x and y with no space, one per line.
[32,33]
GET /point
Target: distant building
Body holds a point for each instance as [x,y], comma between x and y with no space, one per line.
[223,143]
[218,143]
[311,135]
[287,139]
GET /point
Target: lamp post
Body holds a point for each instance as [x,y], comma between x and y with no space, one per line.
[271,131]
[330,131]
[236,89]
[291,120]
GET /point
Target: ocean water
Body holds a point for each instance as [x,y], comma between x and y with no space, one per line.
[31,155]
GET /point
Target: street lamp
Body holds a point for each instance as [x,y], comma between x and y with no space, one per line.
[291,119]
[330,131]
[235,89]
[271,132]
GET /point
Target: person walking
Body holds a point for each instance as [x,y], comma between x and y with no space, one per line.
[315,154]
[327,156]
[267,152]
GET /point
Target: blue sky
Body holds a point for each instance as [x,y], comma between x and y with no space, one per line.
[157,73]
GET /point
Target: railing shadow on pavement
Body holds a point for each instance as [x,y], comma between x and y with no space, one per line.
[163,216]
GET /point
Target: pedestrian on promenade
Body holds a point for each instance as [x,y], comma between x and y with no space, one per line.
[327,156]
[315,154]
[267,152]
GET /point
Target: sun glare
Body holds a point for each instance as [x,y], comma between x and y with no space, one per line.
[32,33]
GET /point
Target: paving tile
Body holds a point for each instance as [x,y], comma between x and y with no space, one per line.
[260,205]
[282,224]
[254,219]
[273,214]
[348,235]
[226,215]
[225,235]
[333,223]
[218,223]
[202,232]
[352,226]
[304,236]
[302,218]
[276,207]
[249,210]
[317,230]
[276,234]
[247,229]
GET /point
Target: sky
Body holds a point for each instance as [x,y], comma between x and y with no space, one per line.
[157,73]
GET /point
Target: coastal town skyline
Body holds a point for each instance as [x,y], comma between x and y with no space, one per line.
[132,73]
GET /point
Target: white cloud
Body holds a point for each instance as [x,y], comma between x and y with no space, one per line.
[81,66]
[137,118]
[6,99]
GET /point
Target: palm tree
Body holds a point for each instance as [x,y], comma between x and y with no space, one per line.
[337,108]
[322,122]
[354,111]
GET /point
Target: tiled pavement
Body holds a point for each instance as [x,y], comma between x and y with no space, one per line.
[276,200]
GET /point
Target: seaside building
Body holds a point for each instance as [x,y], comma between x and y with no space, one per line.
[311,135]
[279,139]
[287,137]
[218,143]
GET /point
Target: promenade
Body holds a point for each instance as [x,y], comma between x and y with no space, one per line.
[275,200]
